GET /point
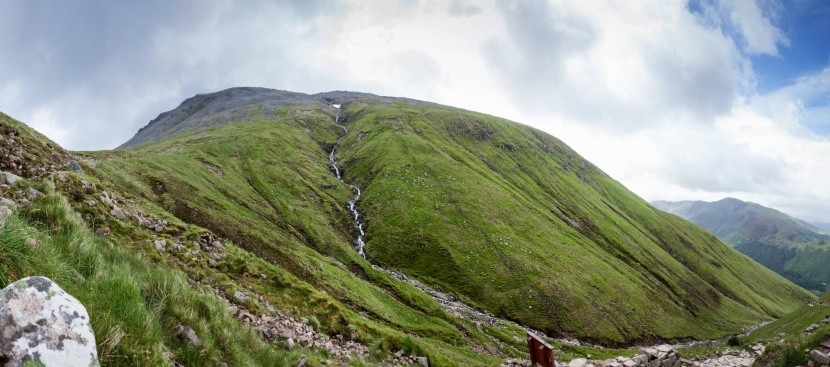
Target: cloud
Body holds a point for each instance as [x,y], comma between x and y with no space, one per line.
[463,8]
[90,66]
[661,94]
[605,63]
[760,35]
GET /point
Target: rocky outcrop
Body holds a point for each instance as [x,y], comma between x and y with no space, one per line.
[820,356]
[40,324]
[25,152]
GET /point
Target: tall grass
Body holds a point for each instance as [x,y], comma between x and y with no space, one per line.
[134,305]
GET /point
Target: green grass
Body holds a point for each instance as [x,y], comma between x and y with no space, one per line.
[504,216]
[134,305]
[790,247]
[507,218]
[514,220]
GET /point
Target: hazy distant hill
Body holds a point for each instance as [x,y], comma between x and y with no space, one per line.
[794,248]
[824,226]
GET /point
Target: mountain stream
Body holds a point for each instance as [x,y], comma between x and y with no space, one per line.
[356,218]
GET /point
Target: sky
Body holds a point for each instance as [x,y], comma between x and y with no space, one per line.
[677,100]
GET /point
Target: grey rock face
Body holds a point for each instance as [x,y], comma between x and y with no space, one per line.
[39,322]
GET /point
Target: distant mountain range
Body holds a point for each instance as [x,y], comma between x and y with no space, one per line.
[798,250]
[824,226]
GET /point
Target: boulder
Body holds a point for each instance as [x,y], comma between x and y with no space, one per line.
[118,213]
[579,362]
[32,193]
[74,166]
[820,358]
[187,335]
[41,323]
[240,297]
[160,244]
[9,178]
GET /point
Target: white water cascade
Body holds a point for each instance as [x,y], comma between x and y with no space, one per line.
[356,218]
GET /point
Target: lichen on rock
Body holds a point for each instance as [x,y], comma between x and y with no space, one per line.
[41,324]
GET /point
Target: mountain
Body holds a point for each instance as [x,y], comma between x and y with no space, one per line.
[241,205]
[791,247]
[504,216]
[824,226]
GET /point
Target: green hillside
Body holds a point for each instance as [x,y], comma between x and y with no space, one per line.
[506,217]
[793,248]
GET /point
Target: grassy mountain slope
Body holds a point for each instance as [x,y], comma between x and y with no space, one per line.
[137,294]
[793,248]
[134,305]
[26,152]
[787,337]
[504,216]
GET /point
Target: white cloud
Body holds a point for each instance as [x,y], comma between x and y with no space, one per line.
[660,98]
[756,28]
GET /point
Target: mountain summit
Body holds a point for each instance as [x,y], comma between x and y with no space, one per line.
[233,104]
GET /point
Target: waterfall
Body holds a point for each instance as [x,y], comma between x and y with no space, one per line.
[356,218]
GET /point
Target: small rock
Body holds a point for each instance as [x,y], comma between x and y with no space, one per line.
[74,166]
[31,193]
[160,244]
[5,213]
[302,361]
[579,362]
[4,188]
[33,242]
[103,231]
[289,344]
[423,361]
[118,213]
[811,328]
[240,297]
[187,336]
[91,202]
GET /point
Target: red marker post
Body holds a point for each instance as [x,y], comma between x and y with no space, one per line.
[540,352]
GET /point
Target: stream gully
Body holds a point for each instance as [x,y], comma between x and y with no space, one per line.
[356,218]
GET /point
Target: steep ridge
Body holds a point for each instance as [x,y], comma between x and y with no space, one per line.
[505,217]
[26,152]
[791,247]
